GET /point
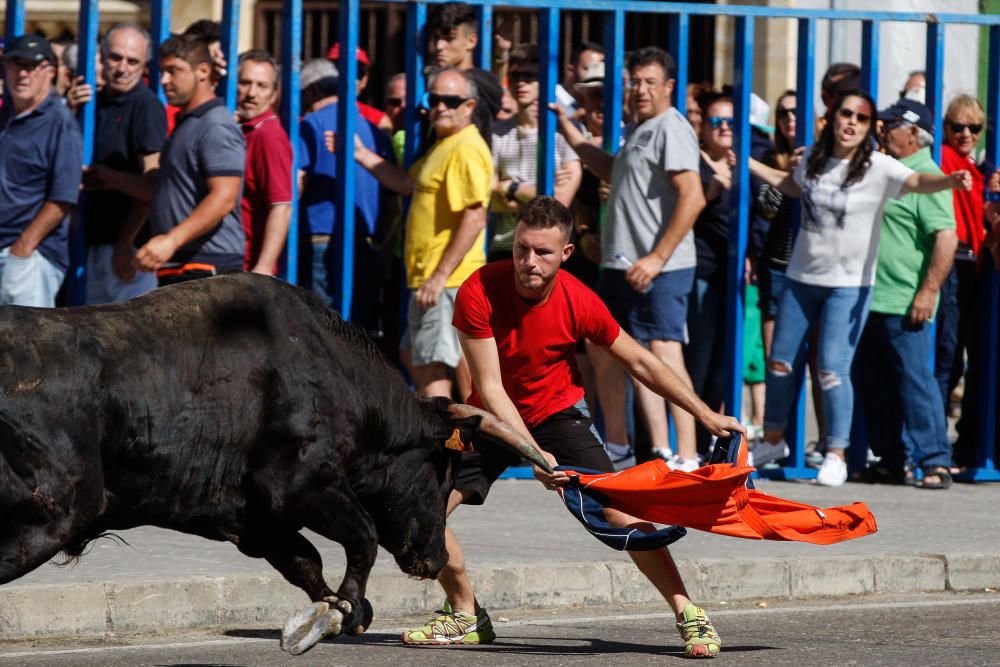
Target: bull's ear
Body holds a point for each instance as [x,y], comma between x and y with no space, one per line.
[460,429]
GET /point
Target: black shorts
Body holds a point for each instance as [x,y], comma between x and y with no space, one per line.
[569,435]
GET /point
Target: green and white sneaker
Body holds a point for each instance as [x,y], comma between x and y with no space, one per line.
[700,638]
[451,628]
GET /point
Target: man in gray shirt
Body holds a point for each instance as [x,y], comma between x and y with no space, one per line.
[195,218]
[647,247]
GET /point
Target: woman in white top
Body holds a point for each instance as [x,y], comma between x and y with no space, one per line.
[843,184]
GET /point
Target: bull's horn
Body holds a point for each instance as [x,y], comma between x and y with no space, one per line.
[502,431]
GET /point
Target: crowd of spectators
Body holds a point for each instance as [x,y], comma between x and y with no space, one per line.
[186,190]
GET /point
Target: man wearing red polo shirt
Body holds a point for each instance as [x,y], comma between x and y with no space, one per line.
[267,189]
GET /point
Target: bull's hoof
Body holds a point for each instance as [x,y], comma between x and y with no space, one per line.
[361,620]
[306,628]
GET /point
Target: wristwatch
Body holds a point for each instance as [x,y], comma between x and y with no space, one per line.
[512,189]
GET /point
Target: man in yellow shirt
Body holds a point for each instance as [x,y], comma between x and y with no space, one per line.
[445,227]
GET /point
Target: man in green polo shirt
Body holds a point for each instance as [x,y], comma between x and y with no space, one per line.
[901,401]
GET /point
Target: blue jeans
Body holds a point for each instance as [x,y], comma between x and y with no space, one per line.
[705,353]
[840,313]
[902,403]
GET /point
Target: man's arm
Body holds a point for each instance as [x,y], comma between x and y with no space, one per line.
[484,365]
[388,174]
[690,202]
[47,219]
[223,196]
[473,222]
[598,161]
[275,233]
[942,257]
[646,367]
[124,251]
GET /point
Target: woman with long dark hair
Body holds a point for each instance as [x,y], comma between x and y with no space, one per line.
[843,184]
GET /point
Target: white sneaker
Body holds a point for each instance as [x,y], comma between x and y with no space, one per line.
[833,472]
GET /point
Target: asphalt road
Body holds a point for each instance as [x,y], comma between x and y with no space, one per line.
[941,629]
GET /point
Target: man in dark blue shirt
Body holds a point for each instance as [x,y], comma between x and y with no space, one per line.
[130,130]
[41,153]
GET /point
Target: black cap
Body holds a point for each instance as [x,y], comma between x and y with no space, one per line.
[911,111]
[31,47]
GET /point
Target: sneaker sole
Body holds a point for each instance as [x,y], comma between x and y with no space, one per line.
[448,643]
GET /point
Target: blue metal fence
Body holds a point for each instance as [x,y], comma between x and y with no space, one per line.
[676,42]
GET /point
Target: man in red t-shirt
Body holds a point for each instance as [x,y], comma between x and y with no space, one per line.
[266,207]
[519,324]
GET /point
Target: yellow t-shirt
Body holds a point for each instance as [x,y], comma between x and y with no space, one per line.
[456,173]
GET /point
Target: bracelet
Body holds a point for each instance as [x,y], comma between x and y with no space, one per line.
[512,189]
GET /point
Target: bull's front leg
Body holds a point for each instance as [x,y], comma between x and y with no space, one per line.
[337,515]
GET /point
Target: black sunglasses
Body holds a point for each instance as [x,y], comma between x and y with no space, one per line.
[785,112]
[847,114]
[451,101]
[523,75]
[394,101]
[958,128]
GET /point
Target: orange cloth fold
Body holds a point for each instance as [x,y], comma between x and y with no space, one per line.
[715,499]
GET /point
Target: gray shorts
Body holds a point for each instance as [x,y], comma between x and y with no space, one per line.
[430,336]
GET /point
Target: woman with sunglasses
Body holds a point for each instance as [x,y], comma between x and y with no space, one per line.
[957,324]
[843,184]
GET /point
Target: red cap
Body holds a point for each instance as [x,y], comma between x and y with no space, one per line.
[334,54]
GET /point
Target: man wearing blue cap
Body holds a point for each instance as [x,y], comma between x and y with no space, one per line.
[519,323]
[916,250]
[41,153]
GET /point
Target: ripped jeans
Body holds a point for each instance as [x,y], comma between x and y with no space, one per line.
[840,313]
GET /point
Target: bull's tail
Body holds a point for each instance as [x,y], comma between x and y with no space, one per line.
[81,546]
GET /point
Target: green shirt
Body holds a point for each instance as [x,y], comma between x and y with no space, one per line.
[908,228]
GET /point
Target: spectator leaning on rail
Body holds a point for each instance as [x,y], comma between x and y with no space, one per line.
[514,147]
[648,252]
[319,215]
[267,184]
[130,130]
[900,397]
[195,219]
[41,152]
[445,226]
[844,186]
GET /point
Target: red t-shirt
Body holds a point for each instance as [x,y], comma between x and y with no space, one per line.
[267,180]
[968,205]
[536,343]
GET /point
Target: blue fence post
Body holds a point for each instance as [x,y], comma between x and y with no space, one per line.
[416,21]
[14,19]
[76,278]
[935,82]
[614,62]
[347,114]
[484,49]
[987,435]
[230,50]
[159,31]
[804,135]
[739,215]
[678,45]
[548,77]
[291,101]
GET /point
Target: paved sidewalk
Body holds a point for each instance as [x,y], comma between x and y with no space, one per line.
[522,549]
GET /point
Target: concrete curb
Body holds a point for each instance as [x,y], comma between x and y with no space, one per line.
[103,608]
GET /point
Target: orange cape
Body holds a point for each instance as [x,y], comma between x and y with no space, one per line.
[715,499]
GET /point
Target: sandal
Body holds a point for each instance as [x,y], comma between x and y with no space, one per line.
[943,475]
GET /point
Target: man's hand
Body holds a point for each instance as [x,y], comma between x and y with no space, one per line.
[556,479]
[427,295]
[641,274]
[922,308]
[562,120]
[121,261]
[961,180]
[722,426]
[218,61]
[21,248]
[98,177]
[796,158]
[79,93]
[604,192]
[157,252]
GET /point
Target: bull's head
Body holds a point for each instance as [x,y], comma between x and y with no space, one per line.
[411,518]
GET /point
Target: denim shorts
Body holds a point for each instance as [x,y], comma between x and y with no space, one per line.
[660,313]
[771,283]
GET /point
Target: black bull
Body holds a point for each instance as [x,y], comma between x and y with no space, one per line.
[236,408]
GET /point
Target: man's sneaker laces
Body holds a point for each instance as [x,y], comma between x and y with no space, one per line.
[700,638]
[453,627]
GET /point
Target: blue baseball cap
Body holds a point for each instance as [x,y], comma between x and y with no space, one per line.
[911,111]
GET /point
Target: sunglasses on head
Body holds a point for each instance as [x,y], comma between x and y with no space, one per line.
[847,114]
[431,100]
[958,128]
[785,112]
[717,121]
[394,101]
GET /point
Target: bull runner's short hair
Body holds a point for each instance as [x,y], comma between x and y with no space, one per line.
[261,56]
[450,16]
[188,48]
[652,55]
[544,212]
